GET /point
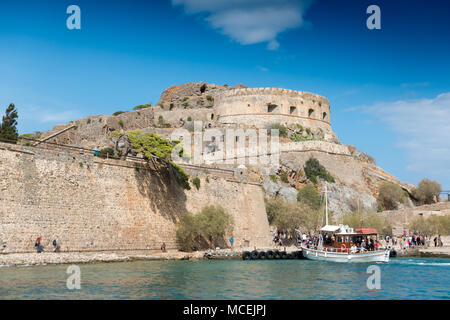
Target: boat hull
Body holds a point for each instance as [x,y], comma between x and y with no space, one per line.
[370,256]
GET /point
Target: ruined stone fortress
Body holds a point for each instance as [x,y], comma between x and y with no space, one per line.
[50,188]
[262,106]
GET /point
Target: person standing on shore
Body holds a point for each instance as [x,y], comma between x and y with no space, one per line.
[56,244]
[38,246]
[440,243]
[232,242]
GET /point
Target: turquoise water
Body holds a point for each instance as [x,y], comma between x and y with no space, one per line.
[402,278]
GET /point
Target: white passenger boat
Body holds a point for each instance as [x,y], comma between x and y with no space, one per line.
[344,244]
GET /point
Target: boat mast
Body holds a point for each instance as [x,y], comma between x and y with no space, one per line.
[326,205]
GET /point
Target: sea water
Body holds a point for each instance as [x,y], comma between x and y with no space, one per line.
[401,278]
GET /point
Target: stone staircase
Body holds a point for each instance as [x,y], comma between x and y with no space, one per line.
[53,135]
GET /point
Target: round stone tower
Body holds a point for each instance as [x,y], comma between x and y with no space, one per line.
[263,107]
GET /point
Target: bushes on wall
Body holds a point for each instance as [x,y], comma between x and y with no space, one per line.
[196,182]
[284,177]
[314,170]
[154,147]
[108,153]
[204,230]
[142,106]
[118,112]
[282,130]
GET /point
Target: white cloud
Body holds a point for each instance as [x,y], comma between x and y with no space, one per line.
[250,21]
[423,128]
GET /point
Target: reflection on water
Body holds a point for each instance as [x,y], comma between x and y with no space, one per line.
[286,279]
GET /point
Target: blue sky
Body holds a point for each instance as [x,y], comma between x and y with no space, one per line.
[389,89]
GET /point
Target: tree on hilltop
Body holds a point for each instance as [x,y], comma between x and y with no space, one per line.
[8,127]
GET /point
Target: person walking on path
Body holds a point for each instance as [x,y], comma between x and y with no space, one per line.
[232,242]
[56,244]
[38,246]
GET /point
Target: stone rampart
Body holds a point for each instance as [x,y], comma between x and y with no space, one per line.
[93,204]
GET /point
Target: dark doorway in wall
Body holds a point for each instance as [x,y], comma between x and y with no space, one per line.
[271,108]
[293,110]
[212,116]
[324,116]
[171,106]
[310,113]
[203,88]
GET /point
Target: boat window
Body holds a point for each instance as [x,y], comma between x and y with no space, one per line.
[340,239]
[346,238]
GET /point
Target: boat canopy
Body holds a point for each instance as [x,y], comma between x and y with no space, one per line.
[329,228]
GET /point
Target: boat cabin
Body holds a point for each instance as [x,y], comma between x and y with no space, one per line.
[342,238]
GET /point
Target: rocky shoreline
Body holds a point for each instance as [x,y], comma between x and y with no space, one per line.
[430,252]
[46,258]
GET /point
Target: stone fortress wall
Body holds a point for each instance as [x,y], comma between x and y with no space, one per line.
[95,204]
[262,107]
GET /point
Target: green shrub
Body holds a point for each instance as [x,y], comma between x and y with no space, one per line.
[284,177]
[288,216]
[309,196]
[308,131]
[121,123]
[368,220]
[427,191]
[142,106]
[205,229]
[299,126]
[189,118]
[314,170]
[153,146]
[209,98]
[273,177]
[185,99]
[298,138]
[107,153]
[433,225]
[88,121]
[118,112]
[196,182]
[282,130]
[389,195]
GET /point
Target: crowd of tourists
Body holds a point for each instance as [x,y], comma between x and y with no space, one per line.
[413,241]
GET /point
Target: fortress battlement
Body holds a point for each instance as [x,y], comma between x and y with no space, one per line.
[272,91]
